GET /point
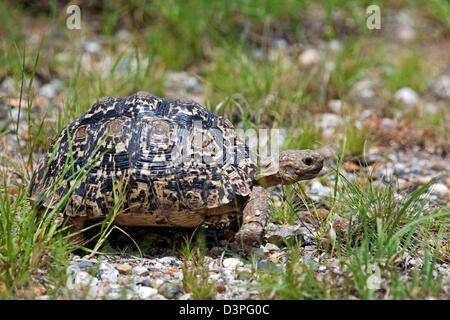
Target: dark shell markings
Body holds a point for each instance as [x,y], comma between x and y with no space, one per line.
[174,156]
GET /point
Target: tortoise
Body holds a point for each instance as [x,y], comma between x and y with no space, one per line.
[178,164]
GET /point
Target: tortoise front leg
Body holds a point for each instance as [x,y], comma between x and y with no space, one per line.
[255,214]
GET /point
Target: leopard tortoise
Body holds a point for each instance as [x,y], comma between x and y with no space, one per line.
[181,165]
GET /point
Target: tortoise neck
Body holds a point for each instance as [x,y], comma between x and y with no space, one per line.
[268,175]
[268,181]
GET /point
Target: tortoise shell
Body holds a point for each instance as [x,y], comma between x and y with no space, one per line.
[170,155]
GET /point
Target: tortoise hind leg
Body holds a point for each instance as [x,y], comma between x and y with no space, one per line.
[76,225]
[254,220]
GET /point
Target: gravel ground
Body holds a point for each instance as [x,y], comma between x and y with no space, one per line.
[158,275]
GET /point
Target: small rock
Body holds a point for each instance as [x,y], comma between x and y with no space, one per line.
[108,272]
[281,43]
[231,263]
[146,292]
[123,35]
[170,290]
[124,268]
[83,279]
[350,166]
[220,287]
[440,189]
[244,275]
[319,190]
[309,57]
[167,261]
[341,225]
[139,270]
[52,89]
[270,247]
[266,265]
[431,108]
[40,291]
[406,34]
[335,105]
[146,282]
[328,120]
[84,265]
[365,91]
[440,87]
[407,96]
[182,80]
[276,235]
[92,46]
[405,29]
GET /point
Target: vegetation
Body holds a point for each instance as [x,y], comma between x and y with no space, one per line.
[244,56]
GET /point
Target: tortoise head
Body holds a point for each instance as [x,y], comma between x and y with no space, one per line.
[293,166]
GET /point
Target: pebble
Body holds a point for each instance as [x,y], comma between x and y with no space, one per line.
[244,275]
[364,91]
[138,270]
[169,261]
[40,291]
[231,263]
[8,85]
[84,265]
[277,235]
[146,292]
[405,26]
[439,189]
[309,57]
[108,272]
[83,279]
[146,282]
[266,265]
[124,268]
[335,105]
[440,87]
[270,247]
[182,80]
[328,122]
[318,190]
[92,46]
[52,89]
[407,96]
[170,290]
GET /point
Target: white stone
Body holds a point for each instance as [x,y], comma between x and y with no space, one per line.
[139,270]
[407,96]
[168,260]
[146,292]
[328,120]
[441,87]
[440,189]
[318,189]
[51,89]
[232,263]
[108,272]
[309,57]
[335,45]
[270,247]
[83,279]
[335,105]
[92,46]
